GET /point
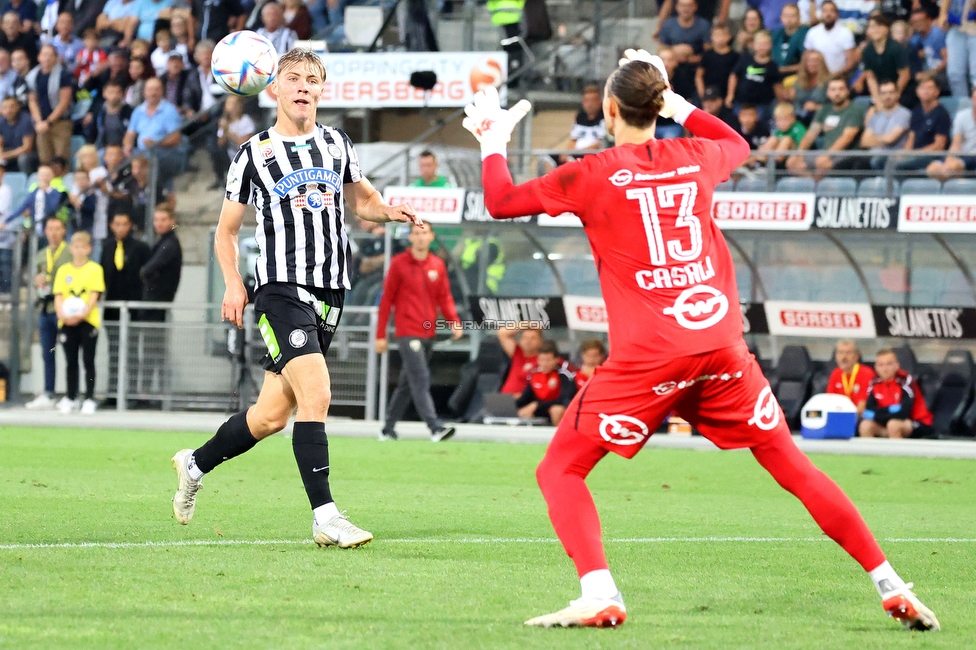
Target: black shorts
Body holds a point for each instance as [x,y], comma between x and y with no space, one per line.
[295,321]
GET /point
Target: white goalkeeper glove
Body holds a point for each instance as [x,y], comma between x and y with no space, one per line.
[675,106]
[491,124]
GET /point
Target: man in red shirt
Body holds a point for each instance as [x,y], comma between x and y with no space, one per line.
[668,280]
[522,353]
[415,287]
[549,389]
[895,406]
[850,378]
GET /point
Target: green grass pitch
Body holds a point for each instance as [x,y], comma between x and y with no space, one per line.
[450,566]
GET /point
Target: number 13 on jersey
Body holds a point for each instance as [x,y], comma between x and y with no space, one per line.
[682,196]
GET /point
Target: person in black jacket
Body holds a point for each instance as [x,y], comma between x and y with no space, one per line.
[160,279]
[110,123]
[181,87]
[122,259]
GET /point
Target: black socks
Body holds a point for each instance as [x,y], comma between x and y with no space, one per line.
[233,438]
[311,447]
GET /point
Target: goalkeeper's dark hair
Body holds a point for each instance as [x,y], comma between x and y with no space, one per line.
[638,88]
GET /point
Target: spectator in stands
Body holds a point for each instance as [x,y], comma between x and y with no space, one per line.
[833,40]
[886,125]
[117,70]
[963,146]
[928,44]
[137,189]
[234,128]
[84,279]
[427,165]
[165,48]
[135,94]
[91,60]
[12,38]
[7,75]
[16,137]
[718,63]
[929,127]
[112,121]
[156,123]
[54,255]
[297,18]
[895,407]
[83,201]
[51,88]
[183,37]
[26,11]
[850,378]
[274,29]
[809,92]
[883,59]
[788,134]
[122,259]
[788,40]
[713,102]
[549,389]
[592,355]
[959,18]
[666,127]
[711,11]
[116,183]
[589,129]
[809,11]
[752,24]
[181,86]
[20,63]
[85,14]
[65,43]
[148,12]
[686,34]
[754,130]
[839,122]
[416,288]
[215,19]
[118,21]
[523,353]
[42,202]
[756,79]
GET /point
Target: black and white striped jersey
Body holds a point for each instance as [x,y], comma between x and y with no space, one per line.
[295,184]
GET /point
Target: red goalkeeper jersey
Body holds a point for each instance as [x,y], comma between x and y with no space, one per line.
[665,270]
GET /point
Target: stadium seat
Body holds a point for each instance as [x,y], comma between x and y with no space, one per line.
[877,186]
[752,185]
[528,278]
[960,186]
[954,393]
[907,360]
[821,376]
[968,423]
[921,186]
[483,375]
[795,184]
[793,374]
[727,186]
[837,187]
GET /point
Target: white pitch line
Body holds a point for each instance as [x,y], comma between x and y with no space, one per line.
[467,540]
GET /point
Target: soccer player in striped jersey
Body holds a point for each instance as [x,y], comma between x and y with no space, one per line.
[296,175]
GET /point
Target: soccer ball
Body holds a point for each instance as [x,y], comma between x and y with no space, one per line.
[73,306]
[244,63]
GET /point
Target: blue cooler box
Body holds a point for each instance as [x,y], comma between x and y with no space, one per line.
[828,416]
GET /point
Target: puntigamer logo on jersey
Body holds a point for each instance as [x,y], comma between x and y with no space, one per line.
[326,177]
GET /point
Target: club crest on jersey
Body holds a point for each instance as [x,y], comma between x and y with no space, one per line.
[290,181]
[432,275]
[622,177]
[334,151]
[765,414]
[623,429]
[267,149]
[699,307]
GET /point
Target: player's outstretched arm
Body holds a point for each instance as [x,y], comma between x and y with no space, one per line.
[369,205]
[228,256]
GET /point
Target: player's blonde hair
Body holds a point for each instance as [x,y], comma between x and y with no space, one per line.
[299,55]
[638,88]
[81,237]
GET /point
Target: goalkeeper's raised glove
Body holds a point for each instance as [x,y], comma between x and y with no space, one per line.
[675,106]
[491,124]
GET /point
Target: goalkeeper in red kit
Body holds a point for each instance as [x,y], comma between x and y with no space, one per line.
[675,329]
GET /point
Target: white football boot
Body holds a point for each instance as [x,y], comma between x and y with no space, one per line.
[185,499]
[339,531]
[586,612]
[902,605]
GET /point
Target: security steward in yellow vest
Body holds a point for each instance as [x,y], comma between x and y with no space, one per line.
[507,14]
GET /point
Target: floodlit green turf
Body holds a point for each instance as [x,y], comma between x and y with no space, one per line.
[115,486]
